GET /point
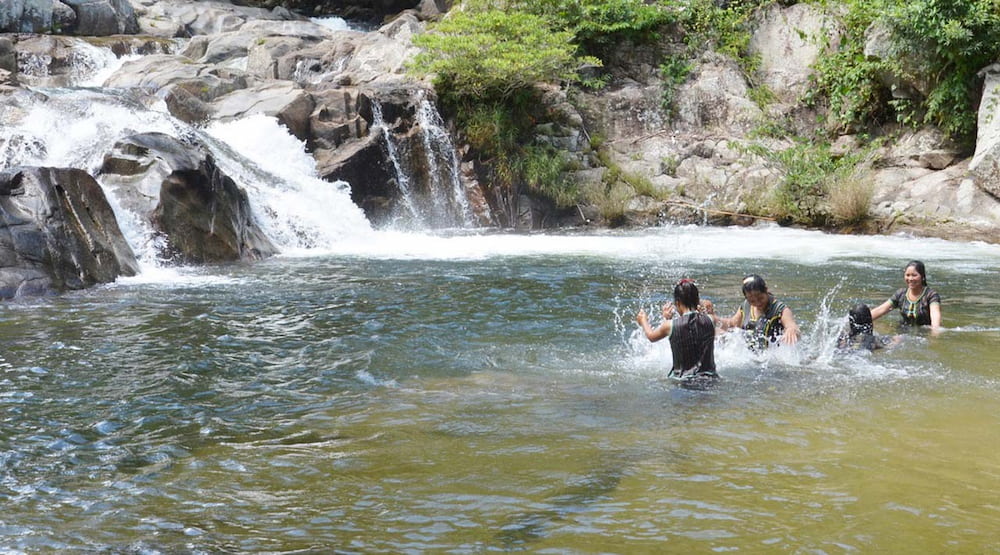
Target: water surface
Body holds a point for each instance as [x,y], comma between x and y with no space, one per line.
[468,393]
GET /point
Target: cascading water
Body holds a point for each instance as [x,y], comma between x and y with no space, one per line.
[76,127]
[450,197]
[410,213]
[432,196]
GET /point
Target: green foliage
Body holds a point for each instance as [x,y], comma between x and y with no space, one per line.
[544,174]
[850,83]
[724,29]
[809,173]
[499,132]
[495,54]
[673,71]
[948,41]
[939,44]
[599,24]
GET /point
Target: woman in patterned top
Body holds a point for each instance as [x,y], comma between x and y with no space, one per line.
[764,318]
[918,304]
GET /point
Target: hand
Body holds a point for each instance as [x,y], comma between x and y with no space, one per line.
[707,307]
[668,311]
[791,336]
[641,318]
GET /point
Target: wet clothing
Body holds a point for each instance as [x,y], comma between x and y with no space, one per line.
[915,313]
[862,341]
[762,328]
[692,343]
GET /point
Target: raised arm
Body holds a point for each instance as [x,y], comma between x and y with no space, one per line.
[731,322]
[661,331]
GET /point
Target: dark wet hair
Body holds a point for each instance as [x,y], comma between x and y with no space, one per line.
[919,267]
[686,293]
[753,282]
[860,319]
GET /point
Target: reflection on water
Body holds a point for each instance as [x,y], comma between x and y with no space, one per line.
[500,398]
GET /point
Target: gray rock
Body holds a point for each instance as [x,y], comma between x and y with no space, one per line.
[57,233]
[179,191]
[985,164]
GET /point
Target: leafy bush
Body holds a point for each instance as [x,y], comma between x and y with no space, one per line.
[949,41]
[494,54]
[809,173]
[674,70]
[726,29]
[940,43]
[599,24]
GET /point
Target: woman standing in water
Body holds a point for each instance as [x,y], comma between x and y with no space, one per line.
[918,304]
[691,333]
[765,318]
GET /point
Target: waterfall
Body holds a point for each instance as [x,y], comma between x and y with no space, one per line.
[69,120]
[431,194]
[439,148]
[77,127]
[402,178]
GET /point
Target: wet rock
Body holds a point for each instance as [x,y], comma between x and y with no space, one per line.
[57,233]
[181,193]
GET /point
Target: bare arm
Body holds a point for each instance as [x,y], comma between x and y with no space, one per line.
[661,331]
[792,331]
[881,310]
[731,322]
[935,316]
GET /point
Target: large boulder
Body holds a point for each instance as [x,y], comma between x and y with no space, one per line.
[183,18]
[985,164]
[178,190]
[716,99]
[93,18]
[789,41]
[57,233]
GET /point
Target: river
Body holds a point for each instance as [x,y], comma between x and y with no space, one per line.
[480,392]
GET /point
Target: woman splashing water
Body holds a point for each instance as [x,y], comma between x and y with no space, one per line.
[764,318]
[691,333]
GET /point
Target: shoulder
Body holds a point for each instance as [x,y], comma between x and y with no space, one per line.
[894,299]
[933,296]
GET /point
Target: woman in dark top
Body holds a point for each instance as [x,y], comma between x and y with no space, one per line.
[918,304]
[691,333]
[859,334]
[764,318]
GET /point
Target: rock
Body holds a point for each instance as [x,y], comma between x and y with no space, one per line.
[789,41]
[180,192]
[57,233]
[75,17]
[985,164]
[716,99]
[98,18]
[924,148]
[292,106]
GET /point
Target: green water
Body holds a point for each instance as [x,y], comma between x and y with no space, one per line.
[490,394]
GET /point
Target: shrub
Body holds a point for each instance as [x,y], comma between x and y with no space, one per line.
[599,24]
[494,54]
